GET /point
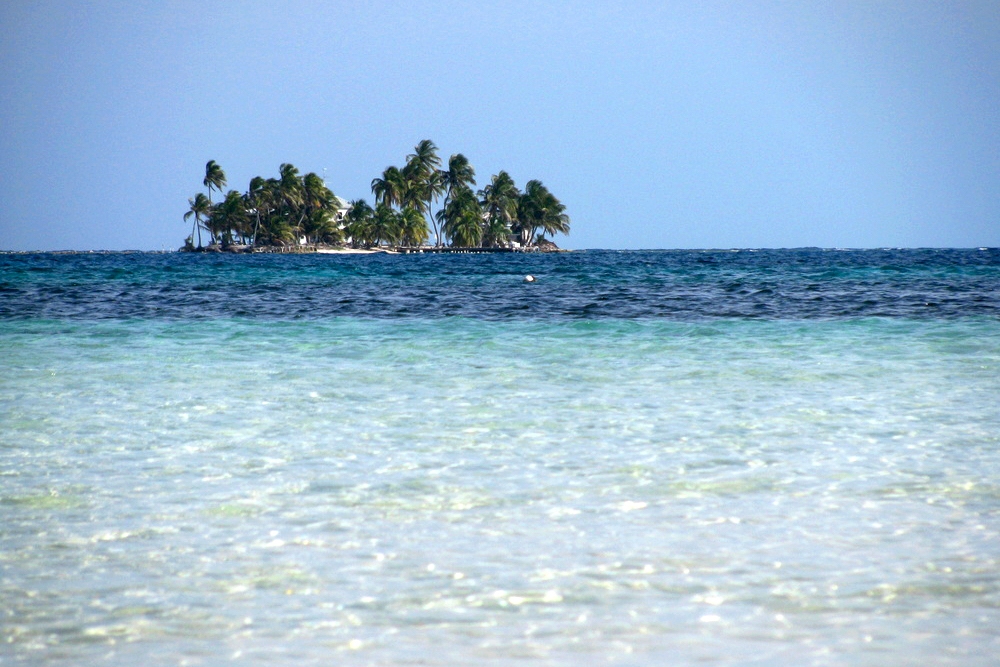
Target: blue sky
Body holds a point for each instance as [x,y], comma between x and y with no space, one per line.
[658,124]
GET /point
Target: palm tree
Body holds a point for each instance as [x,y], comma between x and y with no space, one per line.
[462,219]
[389,189]
[540,209]
[228,216]
[318,210]
[214,178]
[425,157]
[424,177]
[258,202]
[290,197]
[385,225]
[412,195]
[433,187]
[267,200]
[320,226]
[554,219]
[499,202]
[200,206]
[413,229]
[359,223]
[460,174]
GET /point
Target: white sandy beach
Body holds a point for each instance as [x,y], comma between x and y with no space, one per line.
[350,251]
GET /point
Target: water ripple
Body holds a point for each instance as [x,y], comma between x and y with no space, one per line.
[678,285]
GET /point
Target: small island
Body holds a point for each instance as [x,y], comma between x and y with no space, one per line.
[294,213]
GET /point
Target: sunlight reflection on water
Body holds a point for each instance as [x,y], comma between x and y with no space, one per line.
[452,492]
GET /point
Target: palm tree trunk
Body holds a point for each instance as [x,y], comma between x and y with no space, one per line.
[437,229]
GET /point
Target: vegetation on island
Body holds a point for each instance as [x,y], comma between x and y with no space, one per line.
[293,211]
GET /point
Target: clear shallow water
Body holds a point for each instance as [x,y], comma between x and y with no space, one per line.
[542,488]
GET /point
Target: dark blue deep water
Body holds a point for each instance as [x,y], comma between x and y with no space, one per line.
[672,284]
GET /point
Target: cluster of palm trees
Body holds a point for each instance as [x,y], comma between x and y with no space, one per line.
[293,209]
[273,211]
[489,218]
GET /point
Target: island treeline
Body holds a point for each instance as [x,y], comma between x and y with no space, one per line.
[293,210]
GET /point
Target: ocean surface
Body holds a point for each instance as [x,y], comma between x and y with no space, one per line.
[784,457]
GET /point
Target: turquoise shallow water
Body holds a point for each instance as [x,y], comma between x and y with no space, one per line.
[534,491]
[643,458]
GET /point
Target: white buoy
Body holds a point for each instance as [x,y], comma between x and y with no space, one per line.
[529,279]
